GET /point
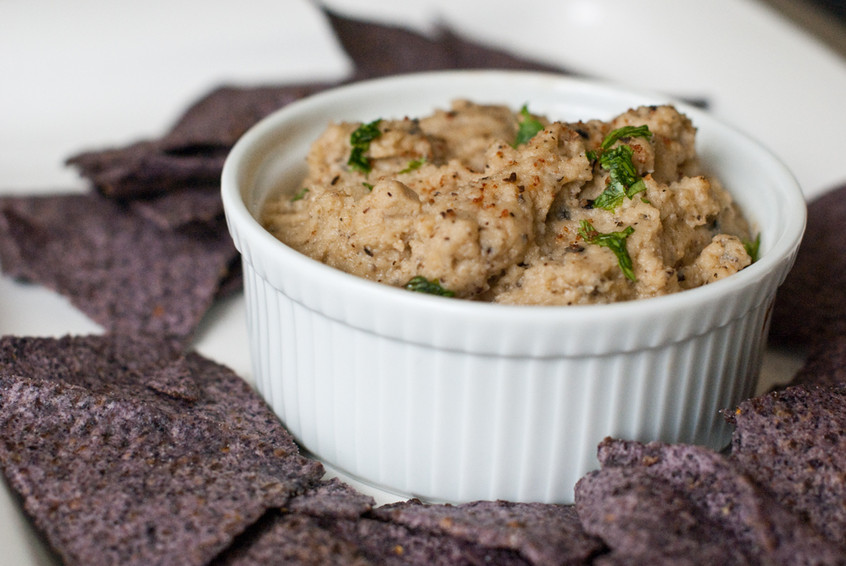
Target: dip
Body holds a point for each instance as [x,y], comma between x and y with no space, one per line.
[490,203]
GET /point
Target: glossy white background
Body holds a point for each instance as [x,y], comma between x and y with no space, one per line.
[91,74]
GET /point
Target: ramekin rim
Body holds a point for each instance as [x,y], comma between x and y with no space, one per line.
[246,226]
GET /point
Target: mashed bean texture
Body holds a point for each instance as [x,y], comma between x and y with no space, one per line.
[586,212]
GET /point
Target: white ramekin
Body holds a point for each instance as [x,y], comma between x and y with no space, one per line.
[451,400]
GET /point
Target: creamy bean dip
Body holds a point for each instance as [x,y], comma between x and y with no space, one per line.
[489,203]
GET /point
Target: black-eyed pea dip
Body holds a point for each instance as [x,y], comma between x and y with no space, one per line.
[483,202]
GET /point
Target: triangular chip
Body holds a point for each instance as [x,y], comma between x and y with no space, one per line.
[113,471]
[124,272]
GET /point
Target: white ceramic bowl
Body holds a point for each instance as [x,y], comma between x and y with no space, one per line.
[452,400]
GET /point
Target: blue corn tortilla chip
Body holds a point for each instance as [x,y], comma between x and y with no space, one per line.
[793,442]
[190,206]
[757,526]
[294,535]
[332,523]
[825,364]
[810,306]
[125,273]
[331,498]
[647,520]
[291,539]
[378,50]
[540,533]
[392,544]
[147,168]
[114,471]
[306,540]
[218,119]
[192,153]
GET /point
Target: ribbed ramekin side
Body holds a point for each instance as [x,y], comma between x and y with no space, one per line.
[453,426]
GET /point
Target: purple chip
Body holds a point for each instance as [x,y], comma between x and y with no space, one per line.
[756,524]
[124,272]
[223,115]
[294,535]
[811,304]
[540,533]
[192,153]
[392,544]
[299,539]
[378,50]
[147,168]
[295,540]
[115,466]
[793,442]
[825,364]
[331,498]
[647,520]
[177,210]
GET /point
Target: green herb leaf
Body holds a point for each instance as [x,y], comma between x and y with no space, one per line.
[360,142]
[420,284]
[615,241]
[368,186]
[611,197]
[626,132]
[414,164]
[300,195]
[528,127]
[753,248]
[623,180]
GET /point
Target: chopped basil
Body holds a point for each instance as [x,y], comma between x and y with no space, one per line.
[626,132]
[422,285]
[414,164]
[623,180]
[367,185]
[300,195]
[614,241]
[360,142]
[753,248]
[528,127]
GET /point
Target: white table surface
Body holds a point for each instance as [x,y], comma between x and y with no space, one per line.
[91,74]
